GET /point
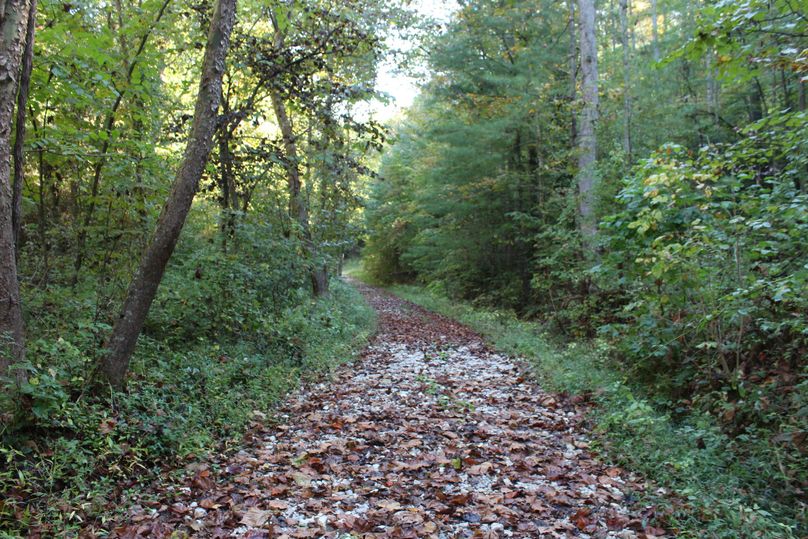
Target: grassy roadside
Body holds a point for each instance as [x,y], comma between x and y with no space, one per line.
[722,494]
[184,400]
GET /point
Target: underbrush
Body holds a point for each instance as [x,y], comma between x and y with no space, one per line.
[706,483]
[219,351]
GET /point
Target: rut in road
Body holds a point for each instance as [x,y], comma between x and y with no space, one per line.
[429,434]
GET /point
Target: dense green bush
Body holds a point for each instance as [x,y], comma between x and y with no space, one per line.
[196,299]
[709,251]
[228,336]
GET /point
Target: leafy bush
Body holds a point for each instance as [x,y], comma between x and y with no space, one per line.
[228,337]
[711,250]
[196,300]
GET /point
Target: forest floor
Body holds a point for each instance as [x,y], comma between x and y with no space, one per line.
[429,434]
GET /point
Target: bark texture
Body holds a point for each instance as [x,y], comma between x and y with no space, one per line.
[587,121]
[573,64]
[297,206]
[19,128]
[146,281]
[13,25]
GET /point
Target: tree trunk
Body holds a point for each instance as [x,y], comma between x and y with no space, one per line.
[298,209]
[626,79]
[229,203]
[587,121]
[19,131]
[757,102]
[786,89]
[42,225]
[146,280]
[654,31]
[573,63]
[13,25]
[297,206]
[227,181]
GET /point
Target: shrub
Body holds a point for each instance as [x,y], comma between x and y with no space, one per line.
[228,336]
[709,251]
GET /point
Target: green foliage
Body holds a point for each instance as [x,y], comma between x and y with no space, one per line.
[751,37]
[725,487]
[222,346]
[698,289]
[709,251]
[467,183]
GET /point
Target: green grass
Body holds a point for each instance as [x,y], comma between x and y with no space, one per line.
[353,268]
[724,488]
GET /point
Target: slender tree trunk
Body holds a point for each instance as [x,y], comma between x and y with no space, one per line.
[43,220]
[109,124]
[13,26]
[297,206]
[786,89]
[43,172]
[756,102]
[146,280]
[227,185]
[573,63]
[19,131]
[298,209]
[626,79]
[587,122]
[654,31]
[227,180]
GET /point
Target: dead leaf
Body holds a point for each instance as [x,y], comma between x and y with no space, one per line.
[255,518]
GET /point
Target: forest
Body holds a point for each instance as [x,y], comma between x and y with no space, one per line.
[247,293]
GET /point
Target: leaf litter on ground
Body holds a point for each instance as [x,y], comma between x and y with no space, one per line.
[430,434]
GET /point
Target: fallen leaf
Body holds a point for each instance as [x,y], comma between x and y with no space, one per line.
[255,517]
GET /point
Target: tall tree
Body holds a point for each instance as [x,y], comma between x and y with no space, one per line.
[655,31]
[587,121]
[624,43]
[108,127]
[144,285]
[13,26]
[19,129]
[573,63]
[298,207]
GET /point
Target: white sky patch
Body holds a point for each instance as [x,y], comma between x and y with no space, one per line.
[400,86]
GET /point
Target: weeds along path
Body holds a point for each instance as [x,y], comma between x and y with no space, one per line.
[430,434]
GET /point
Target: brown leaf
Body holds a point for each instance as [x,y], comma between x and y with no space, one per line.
[255,517]
[481,469]
[278,504]
[581,518]
[107,425]
[617,522]
[209,503]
